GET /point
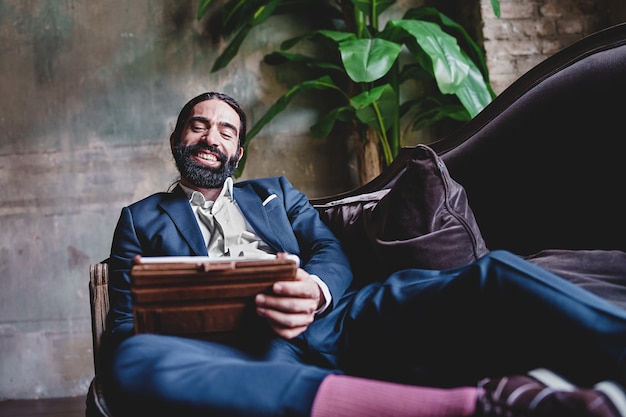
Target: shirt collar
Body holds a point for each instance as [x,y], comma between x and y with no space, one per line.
[198,198]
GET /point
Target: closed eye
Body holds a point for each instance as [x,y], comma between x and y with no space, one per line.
[198,127]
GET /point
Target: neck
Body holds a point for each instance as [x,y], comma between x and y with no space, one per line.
[208,193]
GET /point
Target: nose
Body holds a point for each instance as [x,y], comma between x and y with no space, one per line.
[210,136]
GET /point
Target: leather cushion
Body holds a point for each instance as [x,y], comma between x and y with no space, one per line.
[422,221]
[598,271]
[425,221]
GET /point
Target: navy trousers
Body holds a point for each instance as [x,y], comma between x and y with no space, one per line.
[501,315]
[498,316]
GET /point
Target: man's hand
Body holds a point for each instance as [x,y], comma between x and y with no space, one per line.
[291,307]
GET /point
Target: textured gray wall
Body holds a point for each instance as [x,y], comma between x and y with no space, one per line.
[89,94]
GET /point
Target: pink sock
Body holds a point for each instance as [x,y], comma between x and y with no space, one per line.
[347,396]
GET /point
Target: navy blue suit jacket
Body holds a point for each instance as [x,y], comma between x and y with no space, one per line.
[163,224]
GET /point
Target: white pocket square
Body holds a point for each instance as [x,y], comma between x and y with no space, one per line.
[268,199]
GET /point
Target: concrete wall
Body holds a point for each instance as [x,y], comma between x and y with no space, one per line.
[89,94]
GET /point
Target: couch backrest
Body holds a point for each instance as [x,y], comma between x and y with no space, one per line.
[543,164]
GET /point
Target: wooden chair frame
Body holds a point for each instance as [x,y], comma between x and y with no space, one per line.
[99,301]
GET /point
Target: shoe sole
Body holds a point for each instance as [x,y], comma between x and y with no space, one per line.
[612,390]
[552,380]
[615,393]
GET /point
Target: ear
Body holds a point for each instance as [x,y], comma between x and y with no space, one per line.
[240,155]
[172,142]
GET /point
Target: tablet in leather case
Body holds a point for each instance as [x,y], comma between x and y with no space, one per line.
[200,297]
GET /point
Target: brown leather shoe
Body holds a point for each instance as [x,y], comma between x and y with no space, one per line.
[542,393]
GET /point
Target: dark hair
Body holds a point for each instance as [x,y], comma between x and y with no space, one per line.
[186,111]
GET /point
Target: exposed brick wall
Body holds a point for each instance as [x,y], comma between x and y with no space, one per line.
[530,31]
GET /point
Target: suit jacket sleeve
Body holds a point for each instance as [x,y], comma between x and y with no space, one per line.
[291,224]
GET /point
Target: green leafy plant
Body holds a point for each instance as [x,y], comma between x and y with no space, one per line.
[368,68]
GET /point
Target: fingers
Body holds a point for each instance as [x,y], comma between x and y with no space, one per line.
[286,305]
[287,316]
[286,320]
[302,287]
[290,308]
[286,325]
[302,296]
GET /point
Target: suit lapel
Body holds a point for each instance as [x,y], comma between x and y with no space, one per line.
[251,205]
[178,209]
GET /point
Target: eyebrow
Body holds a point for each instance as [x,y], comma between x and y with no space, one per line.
[208,122]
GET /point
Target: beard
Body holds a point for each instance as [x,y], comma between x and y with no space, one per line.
[200,175]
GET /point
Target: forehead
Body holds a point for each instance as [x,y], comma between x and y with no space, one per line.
[216,111]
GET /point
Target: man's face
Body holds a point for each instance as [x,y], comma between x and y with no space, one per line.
[209,150]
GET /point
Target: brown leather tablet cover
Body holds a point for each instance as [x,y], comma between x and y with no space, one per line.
[207,300]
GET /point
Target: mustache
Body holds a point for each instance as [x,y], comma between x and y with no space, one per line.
[189,149]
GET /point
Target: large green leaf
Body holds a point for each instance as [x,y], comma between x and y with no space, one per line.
[495,5]
[231,50]
[438,113]
[278,58]
[378,108]
[368,60]
[253,17]
[383,96]
[467,44]
[474,93]
[203,6]
[239,13]
[414,72]
[332,35]
[450,67]
[326,122]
